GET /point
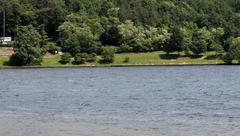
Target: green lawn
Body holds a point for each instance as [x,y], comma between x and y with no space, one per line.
[1,48]
[3,61]
[153,58]
[160,58]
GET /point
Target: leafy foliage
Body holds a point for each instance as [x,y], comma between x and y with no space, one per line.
[27,47]
[201,41]
[52,48]
[92,57]
[80,58]
[107,55]
[233,52]
[65,58]
[86,26]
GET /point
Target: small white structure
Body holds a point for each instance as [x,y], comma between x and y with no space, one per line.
[6,40]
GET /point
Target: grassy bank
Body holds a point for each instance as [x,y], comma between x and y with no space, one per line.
[135,59]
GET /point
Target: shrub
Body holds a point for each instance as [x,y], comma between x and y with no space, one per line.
[124,48]
[92,57]
[80,58]
[98,50]
[52,48]
[233,52]
[107,55]
[15,60]
[126,60]
[65,58]
[228,58]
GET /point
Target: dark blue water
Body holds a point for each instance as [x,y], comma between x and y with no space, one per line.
[204,96]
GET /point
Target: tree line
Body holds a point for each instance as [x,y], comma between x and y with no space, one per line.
[84,29]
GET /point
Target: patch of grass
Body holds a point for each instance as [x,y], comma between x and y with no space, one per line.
[151,58]
[53,61]
[4,47]
[4,61]
[126,60]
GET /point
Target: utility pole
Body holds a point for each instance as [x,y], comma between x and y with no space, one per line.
[4,23]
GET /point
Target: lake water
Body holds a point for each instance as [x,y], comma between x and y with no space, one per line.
[131,101]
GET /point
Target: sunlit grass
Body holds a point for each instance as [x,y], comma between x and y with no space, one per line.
[160,58]
[3,61]
[151,58]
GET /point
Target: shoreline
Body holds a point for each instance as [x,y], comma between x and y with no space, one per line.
[114,66]
[152,59]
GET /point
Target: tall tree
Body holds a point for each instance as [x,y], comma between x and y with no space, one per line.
[27,47]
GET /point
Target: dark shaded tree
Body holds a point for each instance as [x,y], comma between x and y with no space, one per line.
[27,49]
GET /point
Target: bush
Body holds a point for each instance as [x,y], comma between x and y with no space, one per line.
[99,50]
[107,55]
[23,58]
[228,58]
[65,58]
[52,48]
[80,58]
[126,60]
[15,60]
[233,52]
[92,57]
[124,48]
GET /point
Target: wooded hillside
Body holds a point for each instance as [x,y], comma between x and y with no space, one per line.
[88,26]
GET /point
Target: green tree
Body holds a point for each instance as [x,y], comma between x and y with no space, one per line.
[180,40]
[92,57]
[51,13]
[142,39]
[52,48]
[80,58]
[201,41]
[65,58]
[80,33]
[27,47]
[107,55]
[186,42]
[233,52]
[155,38]
[111,37]
[130,25]
[128,32]
[216,40]
[78,40]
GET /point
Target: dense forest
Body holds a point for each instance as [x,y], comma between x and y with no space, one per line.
[85,28]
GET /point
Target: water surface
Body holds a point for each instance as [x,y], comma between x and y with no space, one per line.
[150,101]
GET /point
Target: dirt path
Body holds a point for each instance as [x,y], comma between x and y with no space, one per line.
[6,51]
